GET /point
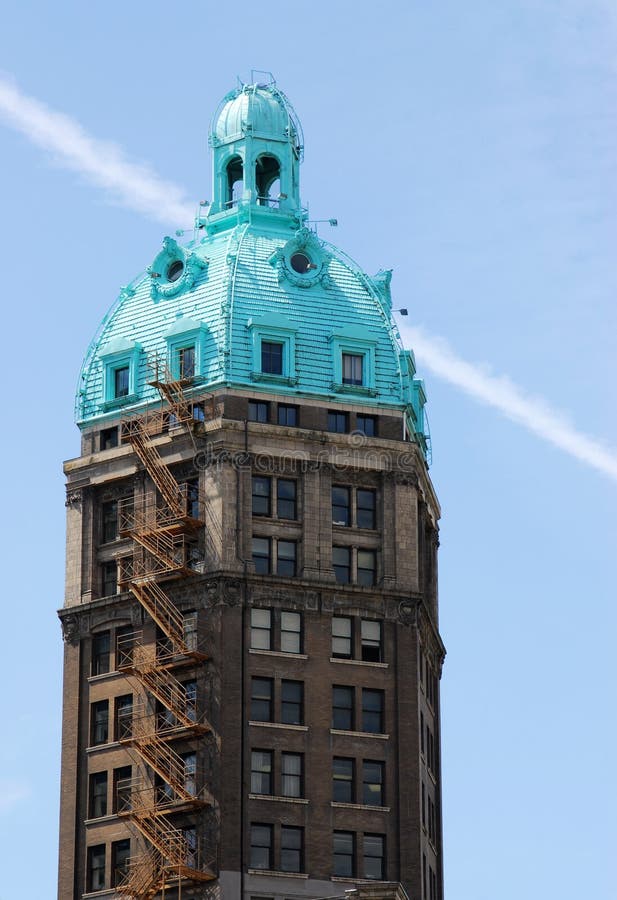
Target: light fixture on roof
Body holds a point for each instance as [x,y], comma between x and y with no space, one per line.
[403,311]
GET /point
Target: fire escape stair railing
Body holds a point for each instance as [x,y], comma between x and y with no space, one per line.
[143,879]
[166,615]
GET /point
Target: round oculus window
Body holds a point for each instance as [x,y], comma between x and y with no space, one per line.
[175,270]
[301,263]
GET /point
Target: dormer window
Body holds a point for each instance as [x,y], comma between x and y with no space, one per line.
[353,368]
[235,181]
[268,180]
[186,362]
[272,358]
[121,382]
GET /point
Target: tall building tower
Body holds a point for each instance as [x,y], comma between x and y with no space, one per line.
[252,655]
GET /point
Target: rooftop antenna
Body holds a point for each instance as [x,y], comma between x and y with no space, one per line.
[255,72]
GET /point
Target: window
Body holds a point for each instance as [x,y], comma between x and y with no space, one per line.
[287,415]
[341,562]
[367,565]
[258,411]
[343,708]
[344,854]
[125,639]
[341,637]
[190,772]
[271,358]
[291,775]
[261,699]
[262,489]
[343,780]
[261,629]
[367,425]
[421,732]
[365,508]
[372,783]
[100,653]
[291,632]
[372,711]
[191,489]
[292,847]
[235,181]
[95,876]
[261,555]
[109,438]
[341,505]
[432,822]
[353,365]
[424,879]
[261,846]
[286,498]
[432,881]
[186,362]
[99,723]
[286,558]
[121,800]
[120,853]
[338,422]
[124,717]
[261,771]
[189,836]
[374,845]
[109,573]
[292,700]
[431,759]
[190,692]
[121,381]
[371,641]
[109,515]
[97,806]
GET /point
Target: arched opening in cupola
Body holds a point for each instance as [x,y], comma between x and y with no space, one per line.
[268,180]
[235,181]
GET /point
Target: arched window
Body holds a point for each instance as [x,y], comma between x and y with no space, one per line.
[235,181]
[268,180]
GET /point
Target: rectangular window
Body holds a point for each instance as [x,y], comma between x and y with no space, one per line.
[342,637]
[343,708]
[261,846]
[365,508]
[271,358]
[192,497]
[109,573]
[343,780]
[97,806]
[367,425]
[287,415]
[292,848]
[291,775]
[99,723]
[261,629]
[108,438]
[423,805]
[424,879]
[341,562]
[291,632]
[286,558]
[186,362]
[261,699]
[374,857]
[109,516]
[261,771]
[372,711]
[95,877]
[341,505]
[292,702]
[190,693]
[120,853]
[338,422]
[367,565]
[422,733]
[190,772]
[261,555]
[121,800]
[352,368]
[124,717]
[372,783]
[262,490]
[121,382]
[125,640]
[259,411]
[100,653]
[432,881]
[371,641]
[286,498]
[344,854]
[189,836]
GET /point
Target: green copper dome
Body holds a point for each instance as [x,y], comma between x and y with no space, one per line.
[255,275]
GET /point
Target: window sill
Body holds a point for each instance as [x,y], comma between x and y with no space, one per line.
[340,388]
[280,725]
[275,873]
[363,734]
[270,378]
[106,892]
[111,745]
[350,879]
[278,653]
[278,799]
[360,662]
[101,820]
[338,805]
[117,402]
[103,676]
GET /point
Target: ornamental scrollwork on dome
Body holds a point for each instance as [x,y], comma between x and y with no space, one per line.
[174,270]
[302,261]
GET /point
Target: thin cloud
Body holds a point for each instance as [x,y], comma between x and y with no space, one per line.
[502,394]
[104,164]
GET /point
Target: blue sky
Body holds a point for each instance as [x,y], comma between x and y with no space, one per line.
[473,149]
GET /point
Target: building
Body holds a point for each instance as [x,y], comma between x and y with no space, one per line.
[252,655]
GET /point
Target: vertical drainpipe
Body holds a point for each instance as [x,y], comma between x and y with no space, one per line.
[240,556]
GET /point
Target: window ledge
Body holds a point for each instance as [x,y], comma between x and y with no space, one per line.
[364,734]
[278,653]
[338,805]
[270,378]
[101,820]
[111,745]
[278,799]
[340,388]
[349,879]
[117,402]
[107,892]
[281,725]
[276,874]
[360,662]
[103,676]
